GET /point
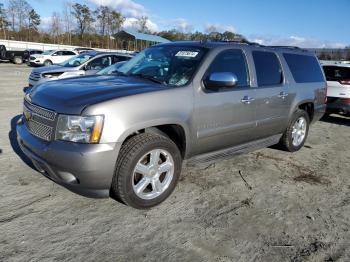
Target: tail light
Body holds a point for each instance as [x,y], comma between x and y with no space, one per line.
[345,100]
[344,82]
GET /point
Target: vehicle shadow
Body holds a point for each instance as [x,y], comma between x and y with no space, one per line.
[14,144]
[336,119]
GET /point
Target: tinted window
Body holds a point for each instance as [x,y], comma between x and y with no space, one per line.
[68,53]
[99,63]
[268,68]
[336,73]
[231,61]
[120,58]
[304,68]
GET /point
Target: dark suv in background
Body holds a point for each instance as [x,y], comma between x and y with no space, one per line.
[127,134]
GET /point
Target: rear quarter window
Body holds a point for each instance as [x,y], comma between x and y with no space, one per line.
[304,68]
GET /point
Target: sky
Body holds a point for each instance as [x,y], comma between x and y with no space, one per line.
[305,23]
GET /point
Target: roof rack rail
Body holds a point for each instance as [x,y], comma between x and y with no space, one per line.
[285,46]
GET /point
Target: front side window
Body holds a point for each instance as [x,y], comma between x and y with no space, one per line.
[304,68]
[99,63]
[232,61]
[169,65]
[268,68]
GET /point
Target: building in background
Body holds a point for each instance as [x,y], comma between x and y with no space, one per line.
[131,40]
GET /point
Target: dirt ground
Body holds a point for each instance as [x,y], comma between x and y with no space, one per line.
[268,205]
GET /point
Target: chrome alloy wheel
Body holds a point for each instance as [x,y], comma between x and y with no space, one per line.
[299,131]
[153,174]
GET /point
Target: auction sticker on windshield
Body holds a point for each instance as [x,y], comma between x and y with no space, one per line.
[187,54]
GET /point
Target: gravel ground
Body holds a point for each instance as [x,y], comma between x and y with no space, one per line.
[268,205]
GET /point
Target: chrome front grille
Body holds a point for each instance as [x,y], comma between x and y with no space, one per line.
[40,130]
[43,112]
[39,121]
[34,76]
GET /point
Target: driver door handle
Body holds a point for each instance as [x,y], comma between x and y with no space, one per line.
[283,95]
[247,100]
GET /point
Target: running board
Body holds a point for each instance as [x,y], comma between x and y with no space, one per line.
[227,153]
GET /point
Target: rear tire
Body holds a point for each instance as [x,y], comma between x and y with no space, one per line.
[296,133]
[17,60]
[147,170]
[47,63]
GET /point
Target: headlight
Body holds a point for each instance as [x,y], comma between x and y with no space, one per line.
[80,129]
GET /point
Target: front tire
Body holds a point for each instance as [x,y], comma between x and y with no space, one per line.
[296,133]
[47,63]
[147,170]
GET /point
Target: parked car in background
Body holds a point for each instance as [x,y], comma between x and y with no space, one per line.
[16,56]
[51,57]
[128,135]
[86,63]
[82,49]
[338,92]
[30,52]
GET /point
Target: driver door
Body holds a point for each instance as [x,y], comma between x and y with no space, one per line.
[224,117]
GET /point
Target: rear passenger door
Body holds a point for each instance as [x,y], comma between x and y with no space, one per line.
[221,118]
[271,98]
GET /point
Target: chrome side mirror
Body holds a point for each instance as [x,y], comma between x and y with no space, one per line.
[221,79]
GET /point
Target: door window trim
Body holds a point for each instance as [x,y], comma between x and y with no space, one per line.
[221,90]
[280,63]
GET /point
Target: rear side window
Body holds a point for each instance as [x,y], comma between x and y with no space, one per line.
[304,68]
[232,61]
[268,68]
[68,53]
[336,73]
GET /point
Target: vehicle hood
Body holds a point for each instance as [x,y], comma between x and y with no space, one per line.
[54,68]
[71,96]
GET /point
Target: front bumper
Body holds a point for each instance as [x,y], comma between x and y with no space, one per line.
[86,169]
[337,105]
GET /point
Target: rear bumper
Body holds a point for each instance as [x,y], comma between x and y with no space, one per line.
[86,169]
[337,105]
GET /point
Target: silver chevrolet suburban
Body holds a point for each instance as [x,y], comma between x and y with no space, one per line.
[127,134]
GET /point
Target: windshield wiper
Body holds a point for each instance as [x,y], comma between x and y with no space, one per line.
[148,77]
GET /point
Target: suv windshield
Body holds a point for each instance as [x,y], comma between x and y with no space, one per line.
[169,65]
[76,60]
[47,52]
[336,73]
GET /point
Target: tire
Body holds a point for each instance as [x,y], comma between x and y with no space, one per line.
[287,138]
[47,63]
[17,60]
[2,52]
[133,152]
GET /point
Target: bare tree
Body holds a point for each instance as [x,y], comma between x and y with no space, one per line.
[55,26]
[18,11]
[142,24]
[68,20]
[3,21]
[102,14]
[115,21]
